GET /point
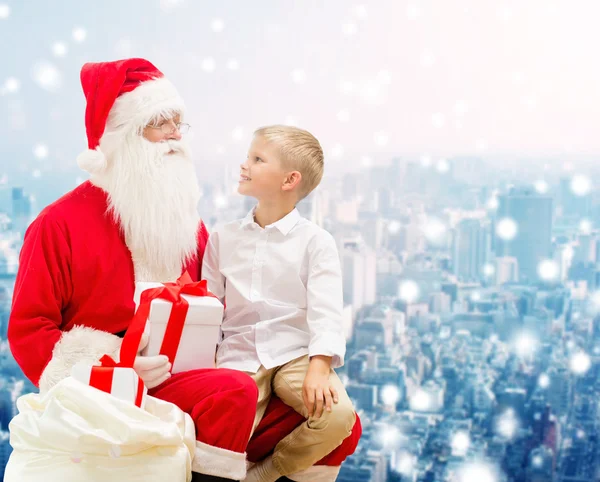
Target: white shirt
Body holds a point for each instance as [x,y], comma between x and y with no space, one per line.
[282,286]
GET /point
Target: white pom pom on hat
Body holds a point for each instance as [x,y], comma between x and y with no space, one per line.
[92,160]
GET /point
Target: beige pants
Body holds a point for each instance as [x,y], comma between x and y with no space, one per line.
[315,438]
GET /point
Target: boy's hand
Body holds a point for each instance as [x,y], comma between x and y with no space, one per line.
[317,390]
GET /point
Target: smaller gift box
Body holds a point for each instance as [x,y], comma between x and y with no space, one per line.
[120,382]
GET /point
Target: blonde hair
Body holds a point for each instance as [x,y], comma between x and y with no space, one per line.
[299,150]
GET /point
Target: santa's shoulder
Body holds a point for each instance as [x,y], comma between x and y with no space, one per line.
[76,205]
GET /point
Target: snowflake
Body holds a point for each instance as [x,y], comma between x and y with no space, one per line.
[544,381]
[394,227]
[461,107]
[381,138]
[217,25]
[481,145]
[580,363]
[390,394]
[434,230]
[290,121]
[4,11]
[413,11]
[525,345]
[548,270]
[405,464]
[349,29]
[298,76]
[409,291]
[233,64]
[220,202]
[79,34]
[169,4]
[425,160]
[47,76]
[421,401]
[438,120]
[360,11]
[506,229]
[366,161]
[237,133]
[390,435]
[442,166]
[384,77]
[537,461]
[489,269]
[585,226]
[36,173]
[507,425]
[337,151]
[541,186]
[59,49]
[40,151]
[581,185]
[11,86]
[208,65]
[346,87]
[460,443]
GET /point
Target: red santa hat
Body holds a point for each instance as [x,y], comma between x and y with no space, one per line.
[128,93]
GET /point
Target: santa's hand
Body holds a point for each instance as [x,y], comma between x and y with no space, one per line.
[153,370]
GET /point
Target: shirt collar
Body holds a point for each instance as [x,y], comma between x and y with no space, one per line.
[284,225]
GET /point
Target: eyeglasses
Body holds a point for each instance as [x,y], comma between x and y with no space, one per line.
[168,128]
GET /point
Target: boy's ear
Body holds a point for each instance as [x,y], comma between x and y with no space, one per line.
[291,181]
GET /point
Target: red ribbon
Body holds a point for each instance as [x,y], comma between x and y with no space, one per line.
[170,292]
[101,377]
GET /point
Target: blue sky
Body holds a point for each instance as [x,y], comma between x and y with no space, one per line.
[371,80]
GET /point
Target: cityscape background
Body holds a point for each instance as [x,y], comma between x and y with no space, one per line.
[460,186]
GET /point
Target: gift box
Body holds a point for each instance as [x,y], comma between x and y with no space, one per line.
[120,382]
[192,346]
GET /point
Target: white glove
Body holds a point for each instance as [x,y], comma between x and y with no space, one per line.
[153,370]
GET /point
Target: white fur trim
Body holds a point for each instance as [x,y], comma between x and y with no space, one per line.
[81,344]
[317,473]
[152,98]
[219,462]
[92,160]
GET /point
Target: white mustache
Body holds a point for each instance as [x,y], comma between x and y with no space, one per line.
[171,145]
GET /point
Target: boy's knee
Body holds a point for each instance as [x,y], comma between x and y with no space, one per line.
[341,420]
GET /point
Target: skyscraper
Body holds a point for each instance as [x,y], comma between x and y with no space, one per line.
[469,249]
[359,270]
[531,214]
[21,210]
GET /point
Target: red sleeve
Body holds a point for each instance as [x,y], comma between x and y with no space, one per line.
[42,289]
[202,242]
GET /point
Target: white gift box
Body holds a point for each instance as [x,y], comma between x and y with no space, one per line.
[124,382]
[201,331]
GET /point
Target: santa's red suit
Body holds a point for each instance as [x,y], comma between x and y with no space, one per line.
[74,292]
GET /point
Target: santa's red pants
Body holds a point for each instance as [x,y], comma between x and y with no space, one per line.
[222,404]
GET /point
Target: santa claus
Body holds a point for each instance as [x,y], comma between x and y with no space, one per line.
[136,219]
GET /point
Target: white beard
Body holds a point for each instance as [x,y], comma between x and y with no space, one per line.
[154,198]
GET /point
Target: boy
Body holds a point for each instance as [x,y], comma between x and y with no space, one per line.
[280,277]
